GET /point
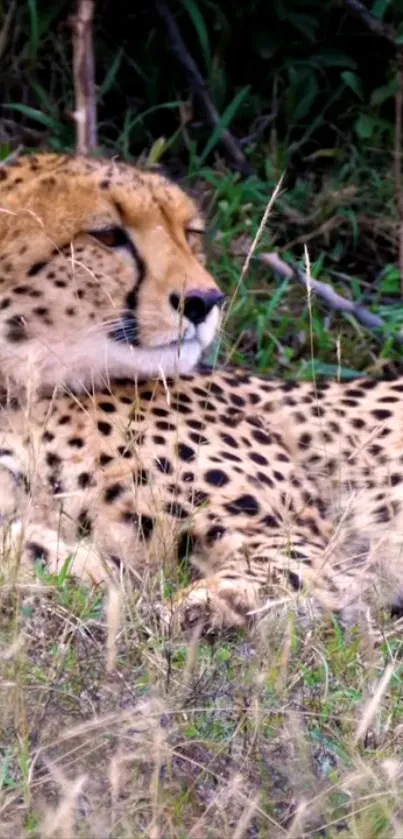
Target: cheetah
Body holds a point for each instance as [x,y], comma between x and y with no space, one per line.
[123,454]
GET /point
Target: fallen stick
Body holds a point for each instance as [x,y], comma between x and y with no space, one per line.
[334,300]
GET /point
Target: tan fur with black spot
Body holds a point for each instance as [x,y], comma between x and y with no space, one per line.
[138,459]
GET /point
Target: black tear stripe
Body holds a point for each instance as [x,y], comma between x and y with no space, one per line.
[127,330]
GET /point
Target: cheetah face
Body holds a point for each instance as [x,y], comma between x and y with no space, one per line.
[101,275]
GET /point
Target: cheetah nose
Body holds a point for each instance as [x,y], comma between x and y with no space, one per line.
[197,304]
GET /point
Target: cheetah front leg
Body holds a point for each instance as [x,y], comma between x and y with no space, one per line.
[241,579]
[30,542]
[30,532]
[214,603]
[12,489]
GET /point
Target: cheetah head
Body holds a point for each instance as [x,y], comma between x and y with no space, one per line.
[101,274]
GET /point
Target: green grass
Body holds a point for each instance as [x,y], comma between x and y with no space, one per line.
[271,328]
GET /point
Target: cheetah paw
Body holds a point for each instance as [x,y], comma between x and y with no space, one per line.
[200,612]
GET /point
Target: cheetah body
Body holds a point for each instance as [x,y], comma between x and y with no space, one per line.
[118,451]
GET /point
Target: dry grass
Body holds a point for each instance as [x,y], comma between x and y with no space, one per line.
[110,729]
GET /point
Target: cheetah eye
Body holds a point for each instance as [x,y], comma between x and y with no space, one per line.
[190,232]
[111,237]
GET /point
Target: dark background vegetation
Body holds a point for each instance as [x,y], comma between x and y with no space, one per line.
[305,88]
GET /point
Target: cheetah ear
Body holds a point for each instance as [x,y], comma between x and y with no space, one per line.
[52,209]
[30,206]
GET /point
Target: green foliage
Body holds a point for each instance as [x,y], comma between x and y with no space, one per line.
[288,75]
[270,324]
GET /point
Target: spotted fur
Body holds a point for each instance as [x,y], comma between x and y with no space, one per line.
[118,451]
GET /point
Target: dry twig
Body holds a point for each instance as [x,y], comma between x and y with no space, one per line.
[7,24]
[398,158]
[84,77]
[199,86]
[334,300]
[324,229]
[372,23]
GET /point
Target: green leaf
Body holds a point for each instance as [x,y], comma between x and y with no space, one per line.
[201,30]
[320,368]
[379,8]
[390,281]
[306,101]
[64,572]
[307,25]
[34,30]
[225,120]
[157,150]
[274,301]
[46,19]
[387,91]
[43,98]
[111,74]
[34,114]
[354,82]
[130,123]
[365,126]
[328,57]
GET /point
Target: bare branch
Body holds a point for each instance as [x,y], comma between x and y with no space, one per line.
[84,77]
[372,23]
[7,24]
[334,300]
[398,158]
[199,86]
